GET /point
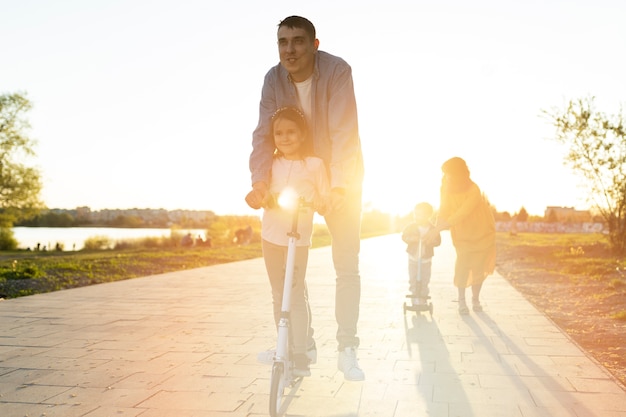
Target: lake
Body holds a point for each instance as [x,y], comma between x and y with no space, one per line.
[73,238]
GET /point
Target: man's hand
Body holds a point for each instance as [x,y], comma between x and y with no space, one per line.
[259,196]
[320,205]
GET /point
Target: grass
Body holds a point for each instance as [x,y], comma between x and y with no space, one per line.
[24,273]
[577,282]
[572,255]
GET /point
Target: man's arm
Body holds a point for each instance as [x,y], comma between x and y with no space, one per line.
[262,145]
[344,132]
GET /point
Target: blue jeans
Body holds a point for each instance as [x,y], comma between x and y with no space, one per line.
[345,230]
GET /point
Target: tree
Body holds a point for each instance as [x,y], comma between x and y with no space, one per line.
[522,215]
[20,185]
[502,216]
[552,217]
[597,151]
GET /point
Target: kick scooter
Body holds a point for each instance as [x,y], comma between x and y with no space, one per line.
[424,307]
[282,368]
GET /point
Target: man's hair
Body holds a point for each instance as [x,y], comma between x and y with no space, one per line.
[299,22]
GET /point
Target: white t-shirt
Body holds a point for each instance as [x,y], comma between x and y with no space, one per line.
[304,96]
[307,178]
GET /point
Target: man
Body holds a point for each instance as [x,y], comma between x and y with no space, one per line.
[320,85]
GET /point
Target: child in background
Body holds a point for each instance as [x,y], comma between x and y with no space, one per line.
[420,253]
[296,171]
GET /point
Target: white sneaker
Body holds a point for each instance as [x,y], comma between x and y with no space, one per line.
[267,357]
[349,365]
[311,352]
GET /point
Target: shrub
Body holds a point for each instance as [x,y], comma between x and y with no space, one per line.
[21,270]
[7,240]
[98,243]
[152,242]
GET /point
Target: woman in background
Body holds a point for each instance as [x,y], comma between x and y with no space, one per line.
[466,212]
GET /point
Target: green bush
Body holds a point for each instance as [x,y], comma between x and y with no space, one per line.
[7,240]
[21,270]
[150,242]
[98,243]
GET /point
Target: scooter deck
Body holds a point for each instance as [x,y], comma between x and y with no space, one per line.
[418,308]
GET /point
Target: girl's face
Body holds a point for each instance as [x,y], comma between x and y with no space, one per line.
[288,138]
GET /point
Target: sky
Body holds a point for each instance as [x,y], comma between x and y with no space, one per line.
[152,104]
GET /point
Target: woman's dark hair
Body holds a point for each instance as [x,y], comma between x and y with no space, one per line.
[458,173]
[455,166]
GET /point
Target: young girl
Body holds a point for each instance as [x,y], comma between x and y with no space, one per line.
[295,171]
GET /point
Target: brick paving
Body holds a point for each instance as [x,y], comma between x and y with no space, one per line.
[184,344]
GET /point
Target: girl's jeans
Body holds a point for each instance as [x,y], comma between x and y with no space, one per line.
[275,257]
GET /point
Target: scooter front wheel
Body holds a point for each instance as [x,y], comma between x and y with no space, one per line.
[277,388]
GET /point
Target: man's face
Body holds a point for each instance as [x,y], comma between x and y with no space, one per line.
[297,52]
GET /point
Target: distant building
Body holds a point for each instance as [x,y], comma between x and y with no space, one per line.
[567,215]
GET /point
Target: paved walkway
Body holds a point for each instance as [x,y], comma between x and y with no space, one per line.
[184,344]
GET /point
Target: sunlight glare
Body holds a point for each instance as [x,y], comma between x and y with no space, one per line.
[288,199]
